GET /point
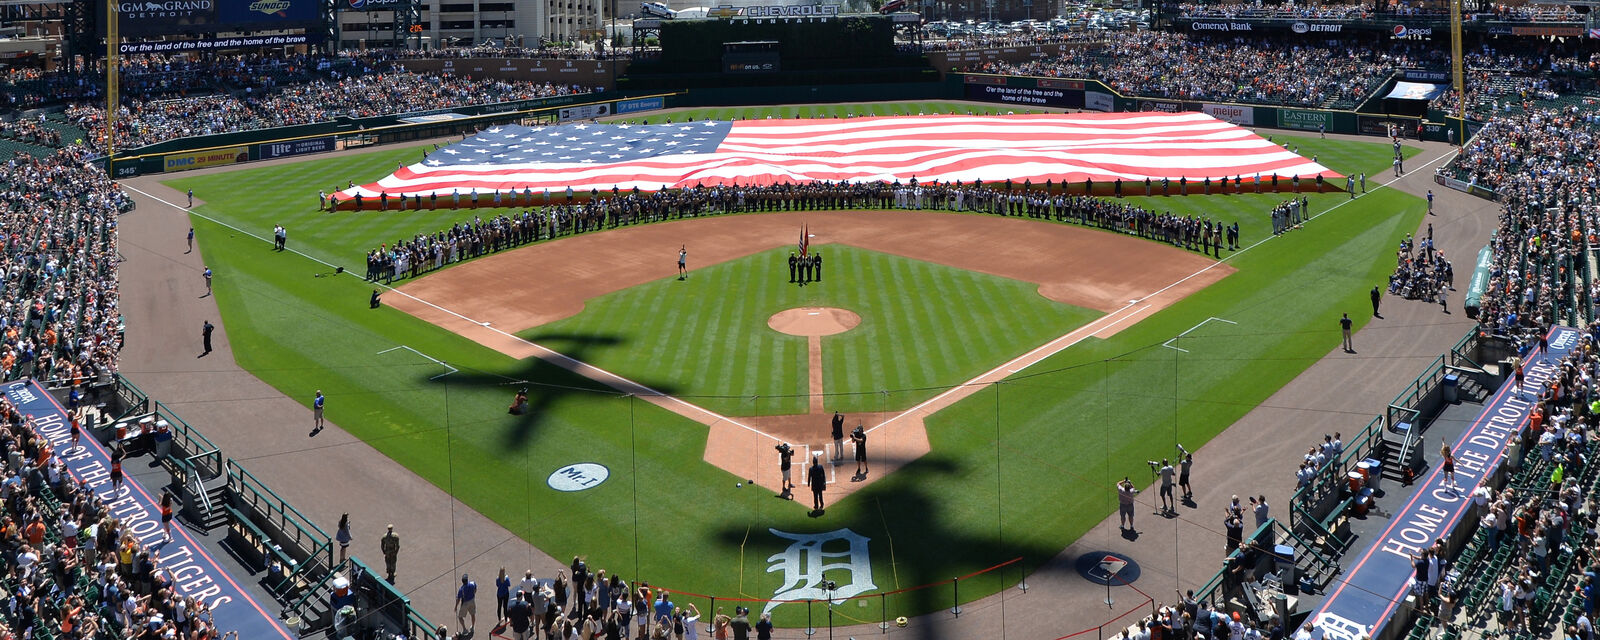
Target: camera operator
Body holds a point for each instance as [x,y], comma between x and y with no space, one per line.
[1166,472]
[1125,493]
[1183,472]
[785,464]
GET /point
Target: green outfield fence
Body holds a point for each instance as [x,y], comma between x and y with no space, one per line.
[341,133]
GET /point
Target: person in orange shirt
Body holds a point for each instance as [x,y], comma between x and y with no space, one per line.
[34,532]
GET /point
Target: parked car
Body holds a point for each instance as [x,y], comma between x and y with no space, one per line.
[657,10]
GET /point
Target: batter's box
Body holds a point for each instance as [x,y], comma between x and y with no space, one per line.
[1173,343]
[425,359]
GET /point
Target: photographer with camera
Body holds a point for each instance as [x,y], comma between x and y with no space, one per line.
[1125,493]
[1165,471]
[1183,473]
[785,464]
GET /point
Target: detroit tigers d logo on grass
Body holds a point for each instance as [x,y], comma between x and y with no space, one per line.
[806,559]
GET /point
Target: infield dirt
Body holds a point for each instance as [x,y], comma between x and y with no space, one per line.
[491,299]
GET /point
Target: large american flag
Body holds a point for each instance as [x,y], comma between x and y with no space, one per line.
[946,148]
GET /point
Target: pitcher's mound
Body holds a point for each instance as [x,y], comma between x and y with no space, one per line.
[813,321]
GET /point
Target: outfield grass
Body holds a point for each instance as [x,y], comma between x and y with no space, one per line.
[719,350]
[825,111]
[1019,469]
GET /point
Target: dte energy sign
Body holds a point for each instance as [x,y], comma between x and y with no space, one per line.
[639,104]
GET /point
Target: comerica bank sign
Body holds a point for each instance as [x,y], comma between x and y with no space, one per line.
[1220,26]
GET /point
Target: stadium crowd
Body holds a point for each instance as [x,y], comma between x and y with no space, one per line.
[580,602]
[72,569]
[142,122]
[1180,66]
[60,313]
[1541,164]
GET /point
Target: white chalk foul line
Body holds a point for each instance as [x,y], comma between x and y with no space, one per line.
[1016,365]
[542,352]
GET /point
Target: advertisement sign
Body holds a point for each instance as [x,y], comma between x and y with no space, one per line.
[1237,114]
[139,18]
[1424,75]
[996,80]
[1098,101]
[641,104]
[1158,105]
[1565,31]
[1402,31]
[1048,83]
[1377,126]
[375,5]
[584,112]
[262,13]
[1220,26]
[1315,27]
[161,17]
[1303,120]
[203,159]
[295,147]
[208,44]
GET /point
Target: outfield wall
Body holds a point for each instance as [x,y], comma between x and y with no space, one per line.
[1026,92]
[1094,95]
[589,73]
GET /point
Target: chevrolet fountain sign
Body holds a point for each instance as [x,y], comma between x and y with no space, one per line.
[784,11]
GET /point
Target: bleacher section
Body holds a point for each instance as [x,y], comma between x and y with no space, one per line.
[1380,579]
[138,513]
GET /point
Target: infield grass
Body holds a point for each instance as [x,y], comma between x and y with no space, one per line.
[711,336]
[1018,469]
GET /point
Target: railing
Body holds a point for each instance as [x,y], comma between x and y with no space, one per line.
[1405,407]
[195,446]
[1215,591]
[1468,344]
[309,539]
[390,600]
[1330,480]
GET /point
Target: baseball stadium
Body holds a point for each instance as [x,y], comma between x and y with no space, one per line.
[344,318]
